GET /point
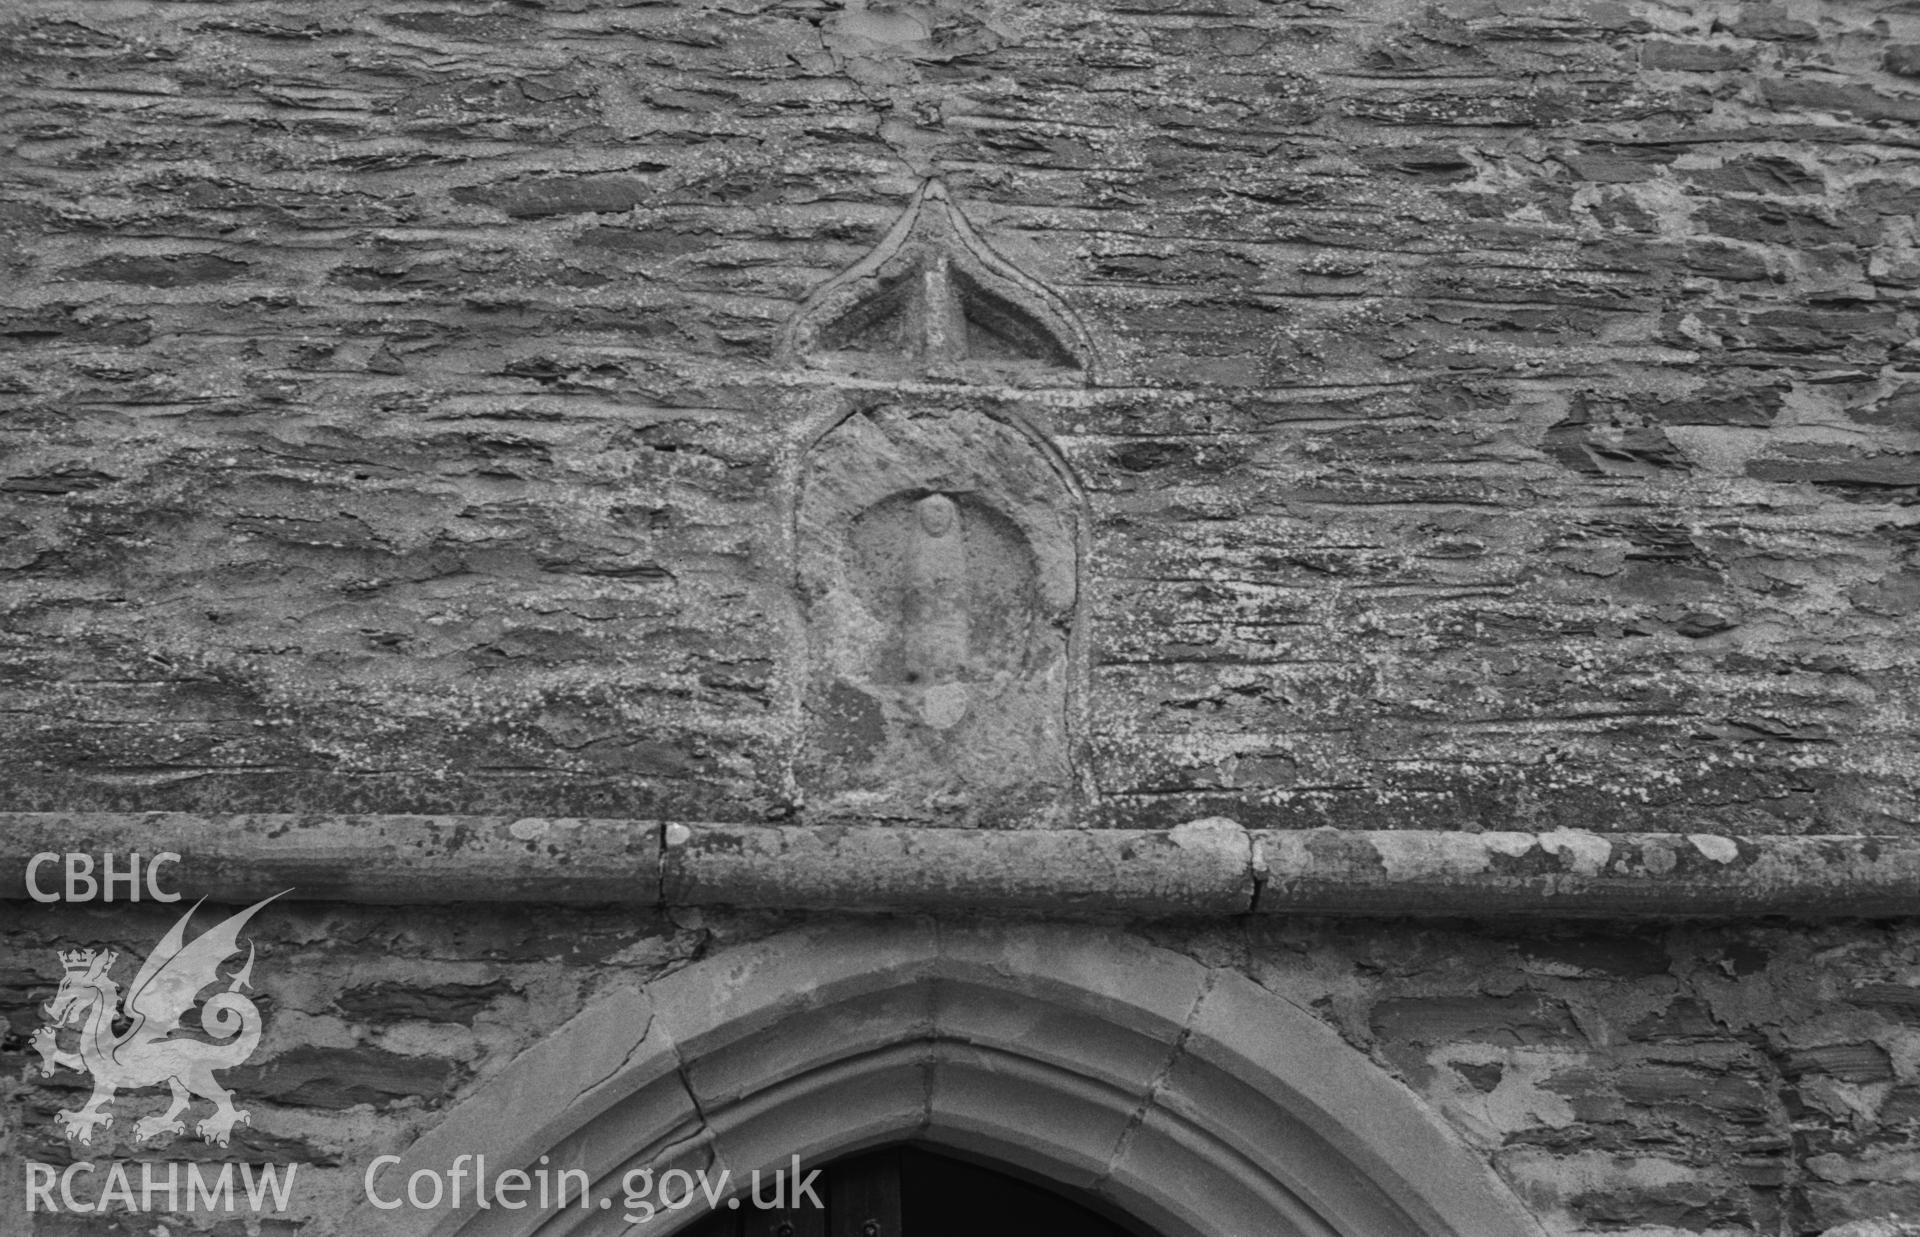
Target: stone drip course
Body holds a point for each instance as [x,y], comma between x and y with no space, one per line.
[1210,867]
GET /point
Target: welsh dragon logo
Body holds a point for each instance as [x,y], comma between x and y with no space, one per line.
[149,1052]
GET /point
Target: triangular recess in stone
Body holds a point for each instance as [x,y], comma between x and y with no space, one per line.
[933,301]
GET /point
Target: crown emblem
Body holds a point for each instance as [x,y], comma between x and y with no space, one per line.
[89,961]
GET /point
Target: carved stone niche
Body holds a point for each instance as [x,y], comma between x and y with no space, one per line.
[933,301]
[938,564]
[938,536]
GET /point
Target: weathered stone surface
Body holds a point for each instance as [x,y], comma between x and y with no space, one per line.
[402,432]
[560,195]
[170,271]
[1503,426]
[434,1003]
[1203,867]
[1063,1111]
[1748,1074]
[365,859]
[938,554]
[1206,867]
[1875,1228]
[1664,875]
[342,1077]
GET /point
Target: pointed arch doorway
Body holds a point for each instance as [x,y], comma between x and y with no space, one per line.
[1184,1097]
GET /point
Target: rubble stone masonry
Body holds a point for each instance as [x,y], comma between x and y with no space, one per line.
[1507,416]
[1762,1079]
[1499,415]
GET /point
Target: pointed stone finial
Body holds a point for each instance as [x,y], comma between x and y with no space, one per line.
[933,301]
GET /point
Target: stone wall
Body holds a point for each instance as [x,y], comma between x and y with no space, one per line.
[1496,414]
[1506,411]
[1657,1081]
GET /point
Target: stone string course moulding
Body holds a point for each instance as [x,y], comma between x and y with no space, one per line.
[1211,867]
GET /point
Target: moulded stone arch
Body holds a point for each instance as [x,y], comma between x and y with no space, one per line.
[1187,1097]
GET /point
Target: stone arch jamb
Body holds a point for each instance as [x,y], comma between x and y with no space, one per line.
[1187,1097]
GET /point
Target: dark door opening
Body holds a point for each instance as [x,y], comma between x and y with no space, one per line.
[909,1191]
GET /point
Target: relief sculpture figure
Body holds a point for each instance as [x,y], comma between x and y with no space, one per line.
[938,576]
[935,610]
